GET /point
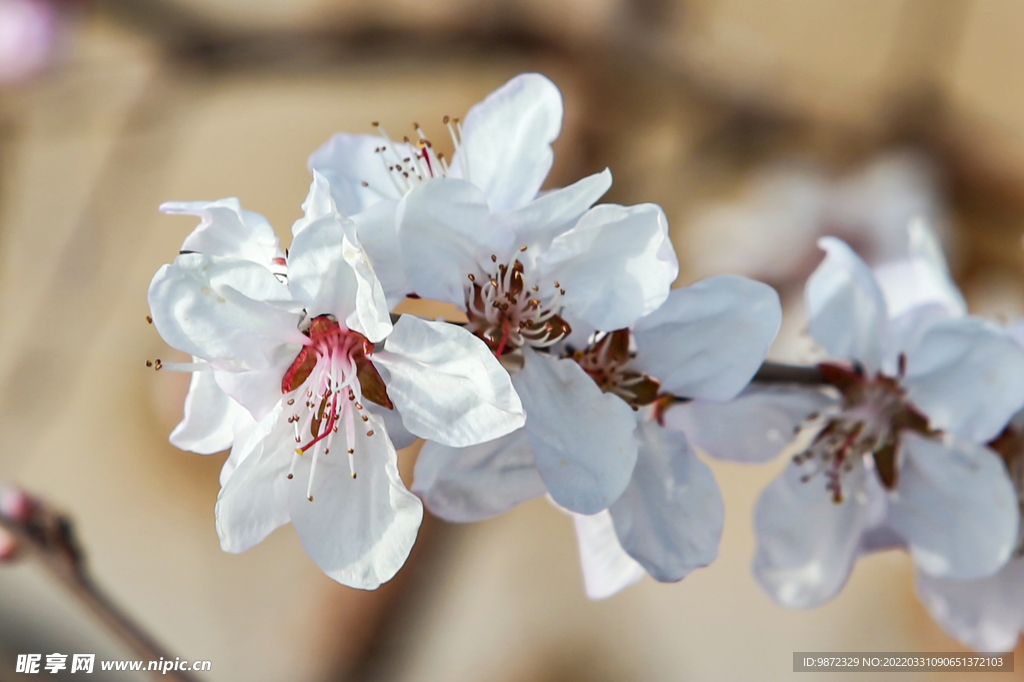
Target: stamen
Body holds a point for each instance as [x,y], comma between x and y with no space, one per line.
[312,474]
[333,374]
[502,314]
[865,426]
[183,366]
[295,458]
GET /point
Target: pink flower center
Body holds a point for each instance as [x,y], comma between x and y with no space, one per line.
[325,378]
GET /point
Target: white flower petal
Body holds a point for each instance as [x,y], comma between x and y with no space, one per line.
[259,390]
[847,311]
[582,439]
[506,141]
[478,482]
[358,530]
[331,275]
[806,543]
[253,501]
[447,384]
[241,435]
[753,427]
[222,309]
[540,221]
[607,569]
[986,615]
[581,336]
[228,230]
[377,230]
[616,264]
[446,232]
[967,375]
[880,539]
[318,204]
[922,278]
[401,437]
[907,330]
[1016,330]
[347,161]
[211,417]
[670,517]
[707,340]
[955,506]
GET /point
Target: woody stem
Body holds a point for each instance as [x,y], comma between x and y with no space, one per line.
[49,537]
[770,372]
[778,373]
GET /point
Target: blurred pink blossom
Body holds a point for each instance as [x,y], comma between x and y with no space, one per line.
[28,38]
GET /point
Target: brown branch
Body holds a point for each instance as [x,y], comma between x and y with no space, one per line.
[769,373]
[49,536]
[778,373]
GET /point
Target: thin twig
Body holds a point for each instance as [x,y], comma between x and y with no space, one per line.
[49,536]
[778,373]
[770,372]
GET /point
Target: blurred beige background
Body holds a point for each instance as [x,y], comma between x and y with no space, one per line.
[687,101]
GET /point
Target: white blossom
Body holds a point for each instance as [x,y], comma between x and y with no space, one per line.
[503,147]
[704,342]
[525,268]
[987,614]
[212,418]
[895,454]
[297,343]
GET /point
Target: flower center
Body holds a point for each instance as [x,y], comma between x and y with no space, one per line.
[409,163]
[328,379]
[608,362]
[873,413]
[507,312]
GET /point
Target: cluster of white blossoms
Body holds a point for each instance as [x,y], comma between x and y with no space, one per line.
[580,375]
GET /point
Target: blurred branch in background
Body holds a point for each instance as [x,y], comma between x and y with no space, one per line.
[36,530]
